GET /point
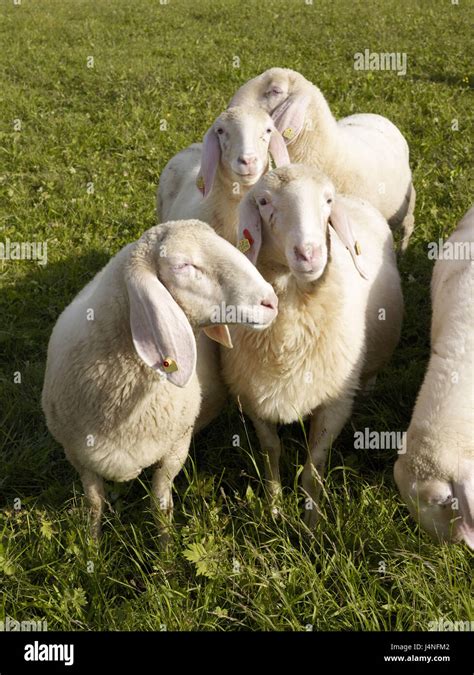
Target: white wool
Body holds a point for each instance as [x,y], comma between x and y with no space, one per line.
[364,154]
[328,338]
[113,414]
[439,462]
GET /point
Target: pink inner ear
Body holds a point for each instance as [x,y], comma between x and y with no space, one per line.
[210,158]
[219,333]
[342,225]
[278,149]
[290,115]
[250,227]
[160,329]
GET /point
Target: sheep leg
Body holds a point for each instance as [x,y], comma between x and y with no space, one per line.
[326,425]
[408,224]
[271,448]
[93,485]
[162,485]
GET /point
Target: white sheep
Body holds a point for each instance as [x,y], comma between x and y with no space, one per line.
[436,474]
[365,155]
[338,323]
[232,157]
[120,390]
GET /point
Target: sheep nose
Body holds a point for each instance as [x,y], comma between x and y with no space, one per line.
[247,160]
[305,252]
[270,301]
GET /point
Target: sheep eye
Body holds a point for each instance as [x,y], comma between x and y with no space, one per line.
[262,201]
[277,90]
[220,130]
[269,131]
[329,201]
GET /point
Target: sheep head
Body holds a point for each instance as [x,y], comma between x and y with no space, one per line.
[289,211]
[239,142]
[284,94]
[443,506]
[182,276]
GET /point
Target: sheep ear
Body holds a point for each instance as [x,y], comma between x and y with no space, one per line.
[342,225]
[278,149]
[210,158]
[250,228]
[289,116]
[219,333]
[161,333]
[464,492]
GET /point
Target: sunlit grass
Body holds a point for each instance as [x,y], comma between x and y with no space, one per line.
[230,564]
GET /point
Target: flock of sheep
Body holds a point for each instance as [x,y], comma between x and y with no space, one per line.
[279,226]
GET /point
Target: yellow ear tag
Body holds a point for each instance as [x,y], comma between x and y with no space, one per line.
[288,133]
[200,183]
[169,365]
[243,245]
[357,248]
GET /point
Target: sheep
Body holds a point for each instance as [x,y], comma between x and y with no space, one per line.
[329,338]
[435,475]
[234,154]
[232,157]
[365,154]
[120,390]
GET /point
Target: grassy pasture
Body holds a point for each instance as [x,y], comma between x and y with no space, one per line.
[82,145]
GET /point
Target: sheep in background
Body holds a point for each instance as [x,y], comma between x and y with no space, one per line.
[233,156]
[120,390]
[364,155]
[338,322]
[436,474]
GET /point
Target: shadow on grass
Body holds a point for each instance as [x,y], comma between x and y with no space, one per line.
[31,463]
[444,78]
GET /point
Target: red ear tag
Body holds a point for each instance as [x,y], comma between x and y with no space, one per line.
[248,236]
[169,365]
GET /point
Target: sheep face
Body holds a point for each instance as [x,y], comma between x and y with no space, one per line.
[243,137]
[291,208]
[182,276]
[205,274]
[445,509]
[239,142]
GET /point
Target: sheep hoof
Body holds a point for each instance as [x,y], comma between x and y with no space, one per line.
[312,517]
[275,511]
[164,537]
[274,497]
[164,524]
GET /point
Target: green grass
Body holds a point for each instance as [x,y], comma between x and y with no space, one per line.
[230,566]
